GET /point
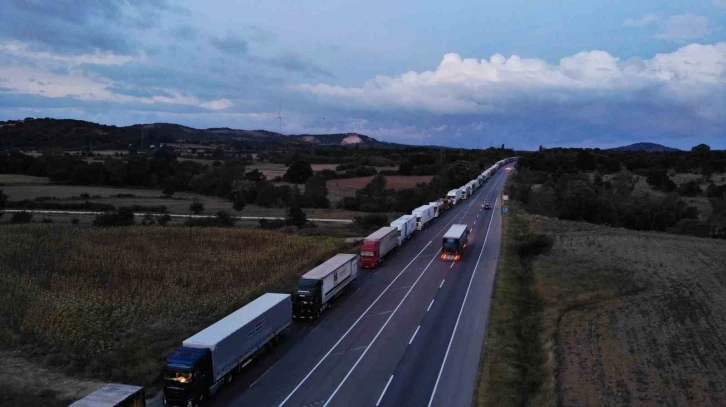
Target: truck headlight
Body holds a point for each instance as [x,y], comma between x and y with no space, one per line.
[189,403]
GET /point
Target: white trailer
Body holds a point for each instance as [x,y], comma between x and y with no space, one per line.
[114,395]
[319,286]
[424,214]
[454,196]
[438,207]
[469,189]
[463,192]
[406,225]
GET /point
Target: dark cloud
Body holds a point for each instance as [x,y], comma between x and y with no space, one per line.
[230,44]
[138,92]
[77,26]
[293,62]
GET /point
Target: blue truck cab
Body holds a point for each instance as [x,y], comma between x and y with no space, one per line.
[187,377]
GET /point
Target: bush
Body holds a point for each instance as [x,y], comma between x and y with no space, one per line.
[146,208]
[196,207]
[21,217]
[533,245]
[370,220]
[271,223]
[61,206]
[75,221]
[122,217]
[148,220]
[221,219]
[47,220]
[162,220]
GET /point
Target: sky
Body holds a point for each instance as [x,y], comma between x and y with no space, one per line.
[460,73]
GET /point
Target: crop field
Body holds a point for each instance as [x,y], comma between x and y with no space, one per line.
[111,303]
[629,318]
[348,186]
[11,179]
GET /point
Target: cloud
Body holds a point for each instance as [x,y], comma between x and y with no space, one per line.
[23,50]
[230,44]
[719,3]
[684,27]
[641,22]
[292,61]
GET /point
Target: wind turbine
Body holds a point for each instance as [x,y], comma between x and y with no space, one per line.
[279,117]
[325,123]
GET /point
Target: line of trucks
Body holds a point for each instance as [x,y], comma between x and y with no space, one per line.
[209,360]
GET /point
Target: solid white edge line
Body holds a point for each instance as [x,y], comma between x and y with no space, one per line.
[390,379]
[370,344]
[461,310]
[263,374]
[366,311]
[432,303]
[363,314]
[414,335]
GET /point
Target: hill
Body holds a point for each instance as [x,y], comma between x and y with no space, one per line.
[647,147]
[68,134]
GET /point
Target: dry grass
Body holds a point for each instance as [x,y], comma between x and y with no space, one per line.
[111,303]
[633,317]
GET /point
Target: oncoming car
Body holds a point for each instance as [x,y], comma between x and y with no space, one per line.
[487,206]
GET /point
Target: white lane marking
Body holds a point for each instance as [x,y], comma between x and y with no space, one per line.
[370,345]
[384,390]
[461,310]
[263,374]
[351,327]
[414,335]
[442,281]
[475,221]
[432,303]
[468,207]
[452,266]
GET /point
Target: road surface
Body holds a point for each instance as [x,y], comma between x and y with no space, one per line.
[410,334]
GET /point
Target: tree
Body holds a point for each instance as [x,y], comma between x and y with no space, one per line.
[295,215]
[316,193]
[196,207]
[238,194]
[690,188]
[21,217]
[298,172]
[267,195]
[701,148]
[168,190]
[123,217]
[3,199]
[162,220]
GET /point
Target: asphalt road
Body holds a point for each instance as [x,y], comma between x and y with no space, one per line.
[409,334]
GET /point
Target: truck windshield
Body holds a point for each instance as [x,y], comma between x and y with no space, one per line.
[450,245]
[367,254]
[178,375]
[307,283]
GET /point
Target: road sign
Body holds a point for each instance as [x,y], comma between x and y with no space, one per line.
[504,209]
[505,197]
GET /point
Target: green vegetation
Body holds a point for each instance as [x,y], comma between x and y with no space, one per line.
[513,364]
[113,302]
[593,187]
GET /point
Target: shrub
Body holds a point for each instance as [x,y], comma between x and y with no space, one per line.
[75,221]
[21,217]
[370,220]
[146,208]
[148,220]
[122,217]
[196,207]
[163,219]
[221,219]
[47,220]
[271,223]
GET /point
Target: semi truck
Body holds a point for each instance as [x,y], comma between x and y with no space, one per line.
[406,225]
[455,241]
[454,196]
[318,287]
[210,358]
[438,208]
[114,395]
[377,245]
[424,214]
[462,190]
[445,204]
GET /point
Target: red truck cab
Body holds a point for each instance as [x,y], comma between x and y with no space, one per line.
[369,254]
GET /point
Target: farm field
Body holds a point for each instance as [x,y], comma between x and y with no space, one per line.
[627,318]
[14,179]
[348,186]
[111,303]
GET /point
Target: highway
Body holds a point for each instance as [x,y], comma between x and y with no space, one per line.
[409,334]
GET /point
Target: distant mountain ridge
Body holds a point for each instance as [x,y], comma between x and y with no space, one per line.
[647,147]
[78,134]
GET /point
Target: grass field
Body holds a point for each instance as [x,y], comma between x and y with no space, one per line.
[10,179]
[628,318]
[347,187]
[111,303]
